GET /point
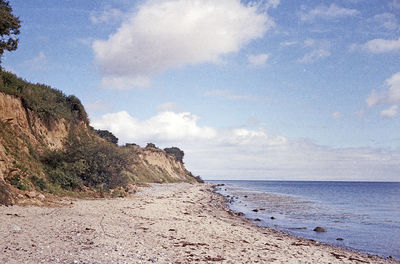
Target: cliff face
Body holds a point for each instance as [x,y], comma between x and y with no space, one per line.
[25,123]
[30,133]
[154,165]
[23,136]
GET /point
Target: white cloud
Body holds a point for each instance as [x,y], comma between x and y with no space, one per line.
[374,98]
[250,153]
[392,95]
[228,94]
[382,45]
[320,50]
[390,112]
[327,12]
[272,3]
[258,60]
[164,127]
[309,42]
[288,43]
[169,34]
[108,15]
[337,115]
[387,21]
[315,55]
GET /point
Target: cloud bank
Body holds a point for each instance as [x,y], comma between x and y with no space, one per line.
[163,35]
[242,153]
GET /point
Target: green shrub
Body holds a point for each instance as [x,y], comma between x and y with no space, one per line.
[48,103]
[18,182]
[38,182]
[176,152]
[64,180]
[93,162]
[107,135]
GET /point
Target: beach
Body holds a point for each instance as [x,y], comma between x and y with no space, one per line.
[164,223]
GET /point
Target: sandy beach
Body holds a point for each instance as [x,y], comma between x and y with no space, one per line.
[166,223]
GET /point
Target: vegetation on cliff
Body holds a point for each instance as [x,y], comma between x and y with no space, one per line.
[88,158]
[48,103]
[176,152]
[107,135]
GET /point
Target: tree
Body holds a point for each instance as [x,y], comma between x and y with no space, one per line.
[9,28]
[150,145]
[176,152]
[107,135]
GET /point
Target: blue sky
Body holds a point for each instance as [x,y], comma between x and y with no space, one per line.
[299,90]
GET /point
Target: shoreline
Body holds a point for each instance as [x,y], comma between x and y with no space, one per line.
[316,242]
[166,223]
[299,215]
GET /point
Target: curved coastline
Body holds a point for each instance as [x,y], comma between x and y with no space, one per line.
[166,223]
[228,200]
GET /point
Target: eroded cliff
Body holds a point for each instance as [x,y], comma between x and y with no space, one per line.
[48,146]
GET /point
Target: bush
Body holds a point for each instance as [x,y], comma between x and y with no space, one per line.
[176,152]
[39,182]
[107,135]
[64,180]
[199,179]
[150,145]
[18,182]
[88,162]
[48,103]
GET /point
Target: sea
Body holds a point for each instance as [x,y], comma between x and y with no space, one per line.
[361,216]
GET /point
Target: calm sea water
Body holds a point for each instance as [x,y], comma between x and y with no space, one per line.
[366,215]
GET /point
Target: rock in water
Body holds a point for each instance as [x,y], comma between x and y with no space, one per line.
[319,229]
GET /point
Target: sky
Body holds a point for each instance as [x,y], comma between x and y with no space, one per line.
[262,90]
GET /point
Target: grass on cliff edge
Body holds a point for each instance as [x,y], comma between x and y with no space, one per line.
[86,161]
[48,103]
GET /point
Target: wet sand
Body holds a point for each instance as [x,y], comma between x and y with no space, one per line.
[167,223]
